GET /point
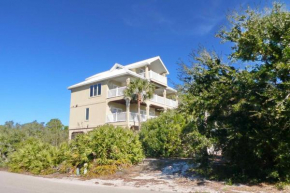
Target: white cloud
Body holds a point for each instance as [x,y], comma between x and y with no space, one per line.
[151,18]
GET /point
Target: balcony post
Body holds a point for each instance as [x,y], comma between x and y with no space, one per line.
[127,81]
[164,95]
[147,72]
[128,112]
[147,110]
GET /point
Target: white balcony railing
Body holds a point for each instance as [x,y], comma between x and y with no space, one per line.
[165,101]
[134,117]
[117,117]
[119,91]
[171,103]
[155,76]
[122,117]
[157,99]
[142,74]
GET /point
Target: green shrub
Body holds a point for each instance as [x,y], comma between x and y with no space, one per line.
[162,136]
[35,157]
[116,143]
[106,149]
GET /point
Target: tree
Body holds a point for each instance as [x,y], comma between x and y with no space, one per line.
[139,90]
[55,132]
[246,110]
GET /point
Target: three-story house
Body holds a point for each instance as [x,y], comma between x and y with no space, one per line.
[99,99]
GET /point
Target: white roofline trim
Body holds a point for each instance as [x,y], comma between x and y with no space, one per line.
[124,70]
[147,62]
[115,67]
[172,89]
[105,78]
[167,72]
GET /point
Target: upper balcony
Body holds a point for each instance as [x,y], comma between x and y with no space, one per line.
[155,77]
[119,91]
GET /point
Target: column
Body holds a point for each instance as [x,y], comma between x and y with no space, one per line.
[147,110]
[69,135]
[147,72]
[128,81]
[164,96]
[128,112]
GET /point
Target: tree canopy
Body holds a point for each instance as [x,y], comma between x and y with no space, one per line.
[247,110]
[139,90]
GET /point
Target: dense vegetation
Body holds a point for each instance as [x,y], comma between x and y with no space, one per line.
[243,112]
[14,135]
[104,150]
[172,135]
[34,156]
[246,111]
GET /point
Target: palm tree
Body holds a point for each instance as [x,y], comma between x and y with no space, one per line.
[139,90]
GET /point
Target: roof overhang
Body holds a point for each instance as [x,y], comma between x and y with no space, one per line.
[94,80]
[149,62]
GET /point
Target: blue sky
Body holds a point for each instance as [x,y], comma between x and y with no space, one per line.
[46,46]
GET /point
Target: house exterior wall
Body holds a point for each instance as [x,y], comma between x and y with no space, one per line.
[80,100]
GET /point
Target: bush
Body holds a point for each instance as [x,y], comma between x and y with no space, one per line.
[108,142]
[173,134]
[161,136]
[105,149]
[35,157]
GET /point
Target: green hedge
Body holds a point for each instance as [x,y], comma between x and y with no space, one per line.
[105,149]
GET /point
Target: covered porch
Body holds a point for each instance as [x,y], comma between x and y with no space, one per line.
[122,112]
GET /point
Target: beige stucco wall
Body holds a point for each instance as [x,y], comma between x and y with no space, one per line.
[80,100]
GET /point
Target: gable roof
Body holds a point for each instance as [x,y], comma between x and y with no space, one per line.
[147,62]
[118,70]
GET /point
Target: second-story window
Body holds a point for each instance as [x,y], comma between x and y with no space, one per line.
[96,90]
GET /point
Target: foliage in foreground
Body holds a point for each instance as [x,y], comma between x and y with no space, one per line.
[13,135]
[172,135]
[34,156]
[246,111]
[105,150]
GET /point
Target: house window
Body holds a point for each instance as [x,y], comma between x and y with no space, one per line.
[75,134]
[96,90]
[87,114]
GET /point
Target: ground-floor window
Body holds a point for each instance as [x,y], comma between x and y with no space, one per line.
[75,134]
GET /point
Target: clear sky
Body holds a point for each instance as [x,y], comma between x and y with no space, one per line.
[46,46]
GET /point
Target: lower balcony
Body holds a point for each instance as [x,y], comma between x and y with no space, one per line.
[122,117]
